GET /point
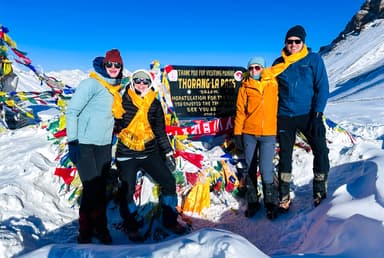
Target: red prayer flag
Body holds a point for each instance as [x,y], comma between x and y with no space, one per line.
[68,174]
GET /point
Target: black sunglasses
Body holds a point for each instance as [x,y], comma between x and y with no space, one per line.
[256,67]
[141,80]
[296,41]
[115,64]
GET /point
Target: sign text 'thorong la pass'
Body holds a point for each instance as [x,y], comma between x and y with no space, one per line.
[204,91]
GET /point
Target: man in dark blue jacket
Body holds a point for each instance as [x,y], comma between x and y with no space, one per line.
[303,94]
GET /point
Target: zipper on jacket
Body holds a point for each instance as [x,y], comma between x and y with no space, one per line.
[263,109]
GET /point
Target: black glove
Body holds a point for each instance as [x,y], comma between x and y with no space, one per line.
[317,128]
[73,151]
[238,141]
[170,162]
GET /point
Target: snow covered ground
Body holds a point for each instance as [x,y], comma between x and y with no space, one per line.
[36,221]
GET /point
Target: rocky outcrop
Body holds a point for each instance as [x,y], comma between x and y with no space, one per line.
[369,11]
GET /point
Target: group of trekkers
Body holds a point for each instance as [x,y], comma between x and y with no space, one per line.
[272,105]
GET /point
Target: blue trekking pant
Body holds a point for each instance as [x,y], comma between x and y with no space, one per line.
[259,152]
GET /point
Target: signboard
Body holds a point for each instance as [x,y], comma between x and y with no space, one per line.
[204,91]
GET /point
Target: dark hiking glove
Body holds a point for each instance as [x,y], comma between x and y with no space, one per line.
[170,162]
[238,141]
[73,151]
[317,127]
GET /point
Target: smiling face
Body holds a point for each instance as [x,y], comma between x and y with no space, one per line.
[113,69]
[255,69]
[141,84]
[293,45]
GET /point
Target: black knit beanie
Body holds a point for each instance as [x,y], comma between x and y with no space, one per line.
[296,31]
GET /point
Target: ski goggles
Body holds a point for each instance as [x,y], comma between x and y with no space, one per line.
[141,80]
[115,64]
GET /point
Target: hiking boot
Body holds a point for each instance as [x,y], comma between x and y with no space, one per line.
[135,236]
[103,236]
[169,218]
[131,223]
[252,208]
[284,205]
[84,239]
[131,227]
[85,228]
[270,200]
[318,199]
[272,211]
[177,228]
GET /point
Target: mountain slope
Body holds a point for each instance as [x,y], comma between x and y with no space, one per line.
[355,68]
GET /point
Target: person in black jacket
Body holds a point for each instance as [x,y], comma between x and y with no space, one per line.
[142,144]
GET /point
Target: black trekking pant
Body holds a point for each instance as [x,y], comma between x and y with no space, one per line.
[154,166]
[93,166]
[287,129]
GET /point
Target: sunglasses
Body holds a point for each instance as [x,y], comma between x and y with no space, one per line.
[115,64]
[256,68]
[141,80]
[296,41]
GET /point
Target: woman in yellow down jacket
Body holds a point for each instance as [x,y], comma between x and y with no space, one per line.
[255,133]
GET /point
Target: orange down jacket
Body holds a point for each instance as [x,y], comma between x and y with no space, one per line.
[256,106]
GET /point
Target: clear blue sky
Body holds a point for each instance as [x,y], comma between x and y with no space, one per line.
[68,34]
